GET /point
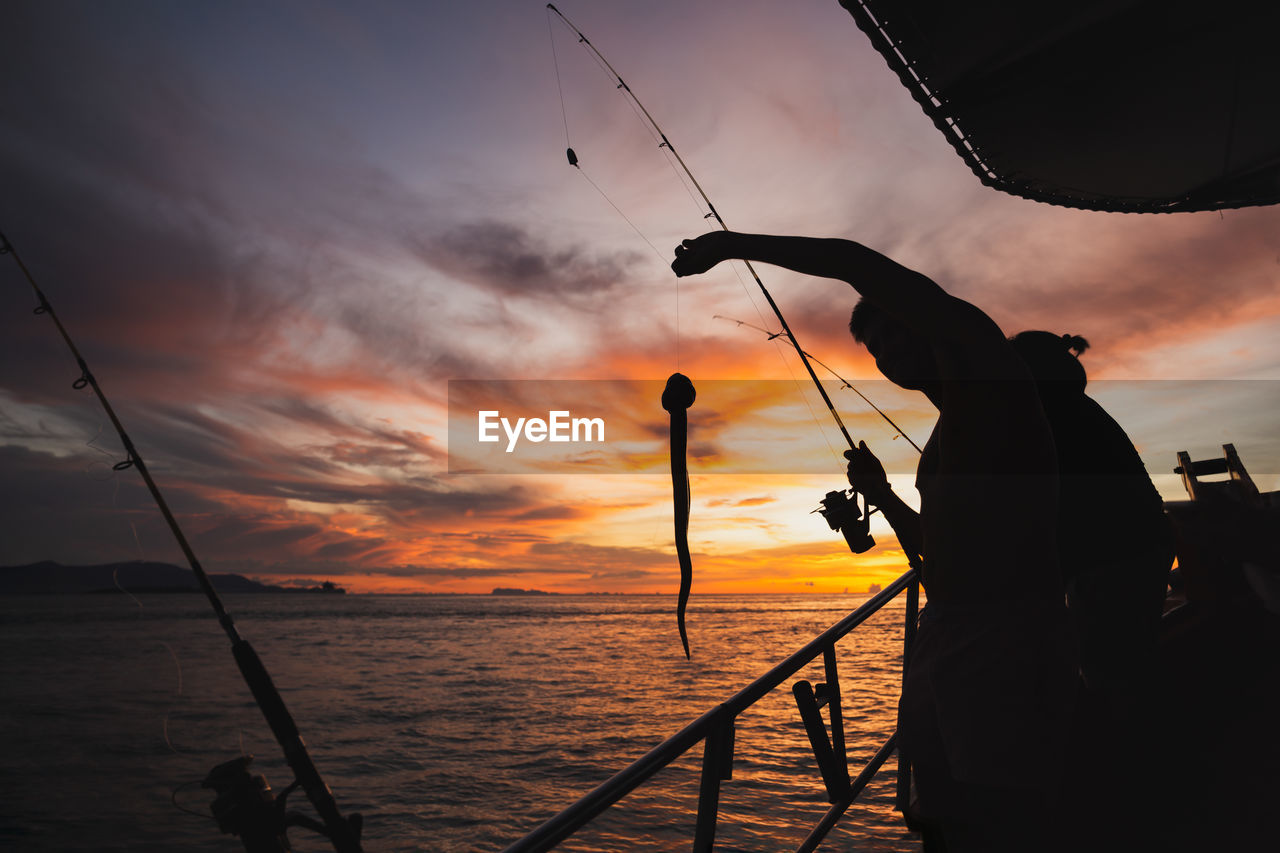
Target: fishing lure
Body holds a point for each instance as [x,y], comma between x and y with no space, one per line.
[677,397]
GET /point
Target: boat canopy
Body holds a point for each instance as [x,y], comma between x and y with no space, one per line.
[1140,106]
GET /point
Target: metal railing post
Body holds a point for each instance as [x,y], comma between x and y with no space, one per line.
[828,763]
[835,714]
[717,765]
[829,750]
[903,798]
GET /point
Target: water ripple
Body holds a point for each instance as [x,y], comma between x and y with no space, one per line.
[455,723]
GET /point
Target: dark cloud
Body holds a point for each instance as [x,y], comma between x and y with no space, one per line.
[1123,280]
[754,501]
[465,572]
[398,451]
[252,534]
[551,513]
[186,231]
[702,420]
[595,556]
[236,515]
[76,510]
[648,576]
[347,550]
[508,260]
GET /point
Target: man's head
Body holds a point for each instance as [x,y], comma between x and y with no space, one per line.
[904,357]
[1053,360]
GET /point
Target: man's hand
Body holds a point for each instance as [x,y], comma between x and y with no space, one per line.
[866,474]
[701,253]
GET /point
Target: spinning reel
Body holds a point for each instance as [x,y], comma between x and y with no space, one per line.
[245,806]
[842,512]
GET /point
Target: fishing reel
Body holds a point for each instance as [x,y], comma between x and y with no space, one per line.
[246,807]
[842,512]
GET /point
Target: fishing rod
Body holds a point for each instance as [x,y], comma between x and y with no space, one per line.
[244,806]
[844,383]
[714,214]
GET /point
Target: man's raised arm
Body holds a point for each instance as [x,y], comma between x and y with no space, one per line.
[909,297]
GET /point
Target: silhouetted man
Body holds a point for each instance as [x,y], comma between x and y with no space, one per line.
[985,707]
[1115,543]
[1115,549]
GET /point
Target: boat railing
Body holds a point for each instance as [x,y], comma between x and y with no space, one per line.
[715,730]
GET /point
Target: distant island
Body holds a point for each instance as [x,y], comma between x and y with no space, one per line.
[511,590]
[48,577]
[874,588]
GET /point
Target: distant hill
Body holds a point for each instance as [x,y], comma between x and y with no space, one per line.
[49,577]
[510,590]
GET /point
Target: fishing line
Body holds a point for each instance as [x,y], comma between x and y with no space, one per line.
[844,383]
[115,580]
[657,130]
[573,161]
[634,227]
[165,722]
[777,348]
[645,122]
[173,798]
[689,190]
[671,161]
[564,114]
[576,163]
[662,146]
[92,444]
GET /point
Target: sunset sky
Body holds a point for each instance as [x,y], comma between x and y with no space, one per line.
[277,231]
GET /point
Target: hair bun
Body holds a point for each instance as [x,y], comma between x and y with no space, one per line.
[1075,343]
[1049,357]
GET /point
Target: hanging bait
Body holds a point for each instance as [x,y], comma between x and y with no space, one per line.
[677,397]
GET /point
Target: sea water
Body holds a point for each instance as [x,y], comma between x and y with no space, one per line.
[452,723]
